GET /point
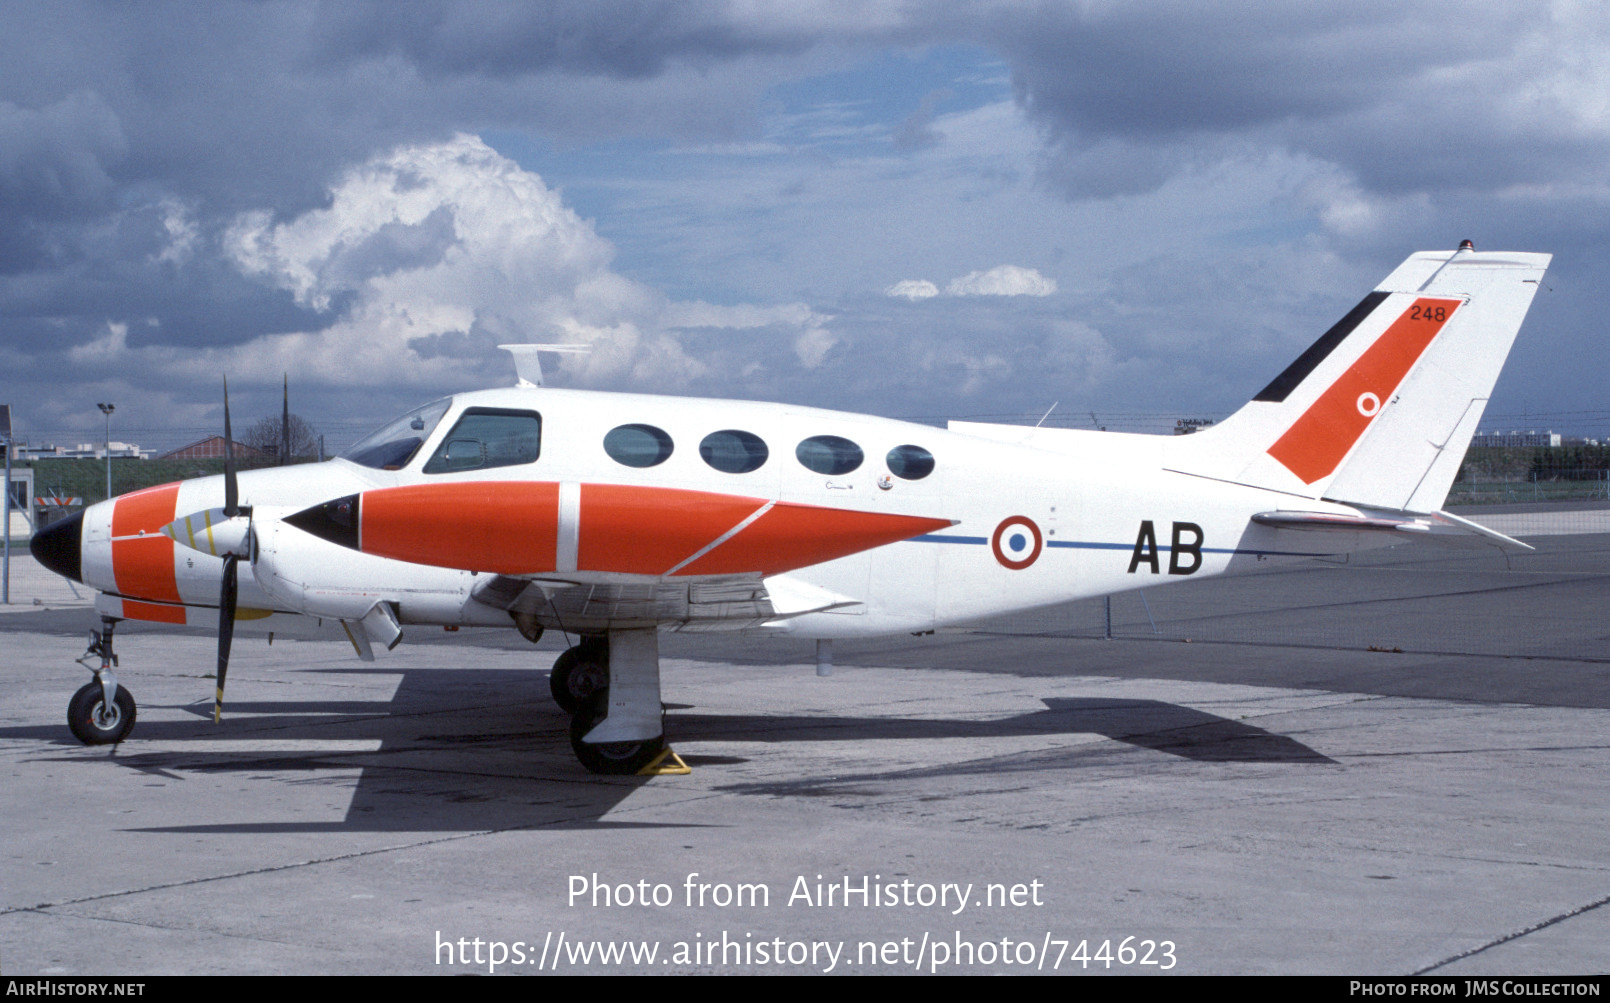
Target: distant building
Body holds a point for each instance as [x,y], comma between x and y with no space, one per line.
[82,451]
[212,448]
[22,503]
[1513,439]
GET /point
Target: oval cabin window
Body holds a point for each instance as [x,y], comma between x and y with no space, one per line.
[733,451]
[829,454]
[912,463]
[638,445]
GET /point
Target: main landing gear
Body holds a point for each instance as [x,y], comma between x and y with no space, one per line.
[610,686]
[579,673]
[102,712]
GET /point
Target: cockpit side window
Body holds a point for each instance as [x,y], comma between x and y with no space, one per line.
[486,437]
[394,445]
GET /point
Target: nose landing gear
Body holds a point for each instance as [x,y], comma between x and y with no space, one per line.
[101,712]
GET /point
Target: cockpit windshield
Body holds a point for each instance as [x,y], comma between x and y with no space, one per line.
[393,446]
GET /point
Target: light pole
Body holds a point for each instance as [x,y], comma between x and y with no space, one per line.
[107,410]
[5,571]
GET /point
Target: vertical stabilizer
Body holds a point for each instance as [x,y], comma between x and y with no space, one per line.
[1379,411]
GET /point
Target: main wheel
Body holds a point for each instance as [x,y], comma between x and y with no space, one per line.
[616,758]
[577,674]
[94,723]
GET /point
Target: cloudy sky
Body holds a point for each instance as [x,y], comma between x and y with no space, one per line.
[1141,210]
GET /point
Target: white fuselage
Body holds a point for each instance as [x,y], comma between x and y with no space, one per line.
[1035,516]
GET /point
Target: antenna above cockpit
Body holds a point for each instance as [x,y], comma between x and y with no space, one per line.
[528,369]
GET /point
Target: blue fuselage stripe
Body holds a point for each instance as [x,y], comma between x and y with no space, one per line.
[1095,545]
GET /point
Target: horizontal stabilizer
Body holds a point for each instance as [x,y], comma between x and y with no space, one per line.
[1438,526]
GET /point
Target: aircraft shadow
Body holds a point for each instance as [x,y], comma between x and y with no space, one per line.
[451,757]
[1150,724]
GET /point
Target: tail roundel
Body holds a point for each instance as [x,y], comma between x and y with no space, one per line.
[1379,411]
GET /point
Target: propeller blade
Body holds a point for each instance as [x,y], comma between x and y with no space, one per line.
[231,488]
[226,631]
[285,423]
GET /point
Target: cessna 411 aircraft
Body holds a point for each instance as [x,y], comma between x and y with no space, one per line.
[615,516]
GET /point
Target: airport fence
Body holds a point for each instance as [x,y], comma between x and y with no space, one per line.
[1539,485]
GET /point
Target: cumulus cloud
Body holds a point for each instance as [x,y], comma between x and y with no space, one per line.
[1002,280]
[427,257]
[913,289]
[181,232]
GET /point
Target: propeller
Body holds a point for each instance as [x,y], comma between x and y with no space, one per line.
[226,533]
[226,595]
[285,423]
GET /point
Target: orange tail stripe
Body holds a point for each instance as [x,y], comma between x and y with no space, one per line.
[1317,442]
[648,531]
[503,527]
[143,565]
[796,536]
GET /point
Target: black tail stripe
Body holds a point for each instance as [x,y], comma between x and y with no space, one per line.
[1298,371]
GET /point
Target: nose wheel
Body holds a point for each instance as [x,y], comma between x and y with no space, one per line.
[101,712]
[94,721]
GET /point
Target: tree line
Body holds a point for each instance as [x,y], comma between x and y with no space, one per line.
[1535,463]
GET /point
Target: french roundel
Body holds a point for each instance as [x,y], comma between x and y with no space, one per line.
[1016,542]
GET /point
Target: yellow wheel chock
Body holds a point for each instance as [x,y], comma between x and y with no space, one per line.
[666,764]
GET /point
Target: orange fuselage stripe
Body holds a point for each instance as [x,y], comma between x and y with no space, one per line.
[133,609]
[143,565]
[648,531]
[797,536]
[511,527]
[505,527]
[1317,442]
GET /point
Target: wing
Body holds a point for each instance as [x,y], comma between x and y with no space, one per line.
[735,602]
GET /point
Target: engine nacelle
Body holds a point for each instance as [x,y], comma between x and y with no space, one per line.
[303,573]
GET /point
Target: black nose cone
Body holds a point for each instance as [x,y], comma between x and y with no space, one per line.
[336,521]
[58,547]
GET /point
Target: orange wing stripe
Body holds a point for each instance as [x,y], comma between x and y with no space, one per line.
[1316,443]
